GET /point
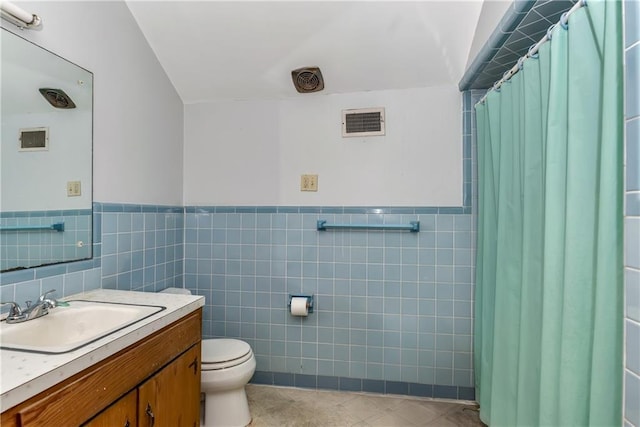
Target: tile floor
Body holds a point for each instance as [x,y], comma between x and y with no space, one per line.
[285,406]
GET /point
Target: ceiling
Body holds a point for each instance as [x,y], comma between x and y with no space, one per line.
[214,50]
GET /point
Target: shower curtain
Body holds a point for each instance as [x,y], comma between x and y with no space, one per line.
[548,321]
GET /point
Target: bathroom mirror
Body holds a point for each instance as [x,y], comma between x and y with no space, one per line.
[45,157]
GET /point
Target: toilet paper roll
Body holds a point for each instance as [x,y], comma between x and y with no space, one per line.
[299,306]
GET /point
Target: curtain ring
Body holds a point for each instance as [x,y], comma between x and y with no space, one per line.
[549,31]
[496,86]
[584,3]
[532,55]
[520,63]
[564,21]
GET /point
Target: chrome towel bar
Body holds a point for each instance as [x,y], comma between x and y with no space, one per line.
[58,226]
[413,226]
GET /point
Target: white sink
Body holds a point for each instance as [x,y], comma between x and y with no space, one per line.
[67,328]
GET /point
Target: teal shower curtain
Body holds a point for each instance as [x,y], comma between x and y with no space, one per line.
[548,329]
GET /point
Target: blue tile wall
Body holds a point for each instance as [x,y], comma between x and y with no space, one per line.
[632,213]
[470,98]
[632,91]
[631,22]
[30,248]
[394,308]
[142,247]
[88,270]
[135,247]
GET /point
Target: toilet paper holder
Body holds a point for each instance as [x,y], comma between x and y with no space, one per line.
[309,301]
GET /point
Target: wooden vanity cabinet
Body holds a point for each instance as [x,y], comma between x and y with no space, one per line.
[123,413]
[165,399]
[162,370]
[172,396]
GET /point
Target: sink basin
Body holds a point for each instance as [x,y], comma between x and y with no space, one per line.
[67,328]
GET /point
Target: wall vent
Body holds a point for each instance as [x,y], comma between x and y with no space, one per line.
[363,122]
[34,139]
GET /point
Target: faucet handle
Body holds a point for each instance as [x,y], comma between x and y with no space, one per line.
[44,296]
[15,309]
[48,302]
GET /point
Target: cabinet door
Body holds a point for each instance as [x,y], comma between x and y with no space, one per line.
[171,398]
[120,414]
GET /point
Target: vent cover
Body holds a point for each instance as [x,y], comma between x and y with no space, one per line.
[34,139]
[307,79]
[363,122]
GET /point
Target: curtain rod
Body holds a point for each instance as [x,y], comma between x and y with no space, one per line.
[533,50]
[19,16]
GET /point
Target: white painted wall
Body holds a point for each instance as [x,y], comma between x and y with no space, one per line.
[138,116]
[253,152]
[36,180]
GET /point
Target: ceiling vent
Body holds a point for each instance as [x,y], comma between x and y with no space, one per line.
[307,79]
[57,98]
[363,122]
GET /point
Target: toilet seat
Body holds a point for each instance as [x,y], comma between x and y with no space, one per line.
[224,353]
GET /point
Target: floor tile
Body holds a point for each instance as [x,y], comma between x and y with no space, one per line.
[273,406]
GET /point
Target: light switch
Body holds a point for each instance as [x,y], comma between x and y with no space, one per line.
[74,188]
[309,183]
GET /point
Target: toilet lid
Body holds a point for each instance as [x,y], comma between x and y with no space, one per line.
[223,350]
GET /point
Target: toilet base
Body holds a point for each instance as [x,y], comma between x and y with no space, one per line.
[226,409]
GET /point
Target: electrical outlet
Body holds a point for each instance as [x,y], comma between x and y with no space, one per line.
[309,183]
[74,188]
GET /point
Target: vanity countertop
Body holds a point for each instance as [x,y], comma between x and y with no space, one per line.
[25,374]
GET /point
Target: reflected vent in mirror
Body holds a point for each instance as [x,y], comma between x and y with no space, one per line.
[57,98]
[34,139]
[363,122]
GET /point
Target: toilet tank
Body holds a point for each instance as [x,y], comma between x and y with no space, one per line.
[181,291]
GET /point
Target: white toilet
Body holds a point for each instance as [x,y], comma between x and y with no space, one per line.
[227,366]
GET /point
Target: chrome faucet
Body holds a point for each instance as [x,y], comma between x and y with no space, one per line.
[33,311]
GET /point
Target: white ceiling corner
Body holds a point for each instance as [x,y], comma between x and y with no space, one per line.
[214,50]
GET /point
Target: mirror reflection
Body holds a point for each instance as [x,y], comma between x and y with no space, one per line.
[45,157]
